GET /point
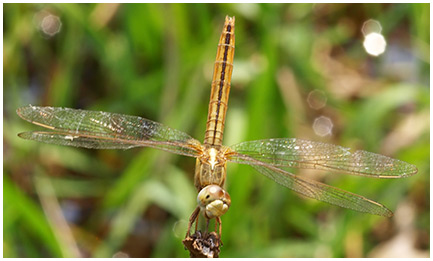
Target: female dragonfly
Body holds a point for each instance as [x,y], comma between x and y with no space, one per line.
[104,130]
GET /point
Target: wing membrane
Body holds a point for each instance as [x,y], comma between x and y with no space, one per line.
[323,192]
[104,130]
[297,153]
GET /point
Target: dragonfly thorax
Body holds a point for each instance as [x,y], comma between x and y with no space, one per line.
[210,168]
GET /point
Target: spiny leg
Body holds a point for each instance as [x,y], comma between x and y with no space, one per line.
[192,219]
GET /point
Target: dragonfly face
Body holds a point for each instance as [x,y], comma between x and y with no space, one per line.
[270,157]
[213,201]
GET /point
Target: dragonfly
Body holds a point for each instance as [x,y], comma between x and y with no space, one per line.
[270,157]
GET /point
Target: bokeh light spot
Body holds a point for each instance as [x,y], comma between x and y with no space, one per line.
[47,23]
[322,126]
[371,26]
[317,99]
[51,25]
[374,44]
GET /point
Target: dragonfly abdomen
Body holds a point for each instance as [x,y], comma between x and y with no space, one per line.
[220,91]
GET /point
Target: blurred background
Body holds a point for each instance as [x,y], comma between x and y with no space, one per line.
[355,75]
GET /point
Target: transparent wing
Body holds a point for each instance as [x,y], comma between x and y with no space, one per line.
[323,192]
[104,130]
[297,153]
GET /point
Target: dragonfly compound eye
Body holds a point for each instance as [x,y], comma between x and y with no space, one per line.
[213,201]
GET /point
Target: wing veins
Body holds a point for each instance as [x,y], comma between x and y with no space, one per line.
[314,189]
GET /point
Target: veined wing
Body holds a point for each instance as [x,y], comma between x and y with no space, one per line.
[104,130]
[297,153]
[323,192]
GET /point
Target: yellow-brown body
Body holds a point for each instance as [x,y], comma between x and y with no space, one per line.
[210,169]
[210,166]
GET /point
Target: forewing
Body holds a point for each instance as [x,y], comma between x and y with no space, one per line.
[297,153]
[104,130]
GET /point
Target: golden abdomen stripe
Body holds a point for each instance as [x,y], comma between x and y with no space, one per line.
[220,91]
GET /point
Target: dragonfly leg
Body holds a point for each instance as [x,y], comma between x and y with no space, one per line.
[207,225]
[218,221]
[196,225]
[192,219]
[216,225]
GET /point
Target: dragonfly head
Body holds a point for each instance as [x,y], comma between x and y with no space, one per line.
[213,201]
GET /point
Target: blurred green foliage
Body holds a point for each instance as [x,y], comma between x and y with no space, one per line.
[155,60]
